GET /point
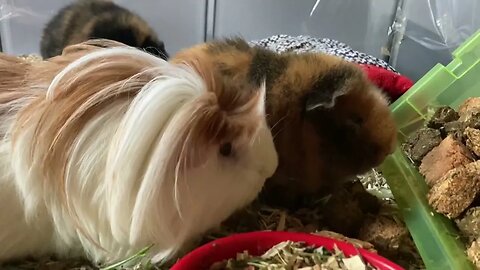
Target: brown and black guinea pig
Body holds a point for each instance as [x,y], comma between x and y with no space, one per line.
[98,19]
[329,122]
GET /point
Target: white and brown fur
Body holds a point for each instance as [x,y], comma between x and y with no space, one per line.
[98,19]
[108,150]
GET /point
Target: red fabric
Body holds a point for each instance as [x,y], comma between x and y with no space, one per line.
[259,242]
[392,83]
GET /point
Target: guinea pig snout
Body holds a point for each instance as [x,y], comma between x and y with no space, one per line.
[386,151]
[377,154]
[393,146]
[380,158]
[390,144]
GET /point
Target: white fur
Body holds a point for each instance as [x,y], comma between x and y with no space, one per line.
[121,194]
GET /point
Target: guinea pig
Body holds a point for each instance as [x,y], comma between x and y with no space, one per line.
[98,19]
[108,149]
[329,122]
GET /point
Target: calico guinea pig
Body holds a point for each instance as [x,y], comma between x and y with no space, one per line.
[102,19]
[329,122]
[108,149]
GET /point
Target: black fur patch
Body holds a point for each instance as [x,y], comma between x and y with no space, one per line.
[266,65]
[118,33]
[70,28]
[54,35]
[101,7]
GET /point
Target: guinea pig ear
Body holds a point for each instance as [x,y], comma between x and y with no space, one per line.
[334,83]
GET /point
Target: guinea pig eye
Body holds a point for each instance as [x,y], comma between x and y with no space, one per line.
[357,120]
[354,123]
[226,149]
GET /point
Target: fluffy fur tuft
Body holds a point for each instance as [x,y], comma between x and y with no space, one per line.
[108,149]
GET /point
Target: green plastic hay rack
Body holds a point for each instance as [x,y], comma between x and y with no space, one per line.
[435,236]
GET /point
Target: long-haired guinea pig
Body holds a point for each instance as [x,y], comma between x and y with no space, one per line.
[329,122]
[98,19]
[108,149]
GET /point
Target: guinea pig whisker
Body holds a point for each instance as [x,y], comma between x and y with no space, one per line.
[278,122]
[292,178]
[152,48]
[275,133]
[287,176]
[278,132]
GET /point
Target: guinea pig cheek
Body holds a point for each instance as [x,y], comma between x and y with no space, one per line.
[263,155]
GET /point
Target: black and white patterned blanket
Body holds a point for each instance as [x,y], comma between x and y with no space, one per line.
[299,44]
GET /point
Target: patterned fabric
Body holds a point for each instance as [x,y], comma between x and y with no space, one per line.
[299,44]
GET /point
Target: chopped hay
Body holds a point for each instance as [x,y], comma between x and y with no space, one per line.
[290,255]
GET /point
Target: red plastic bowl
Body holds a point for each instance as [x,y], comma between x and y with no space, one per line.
[258,242]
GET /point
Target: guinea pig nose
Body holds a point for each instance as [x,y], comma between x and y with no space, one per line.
[383,155]
[378,155]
